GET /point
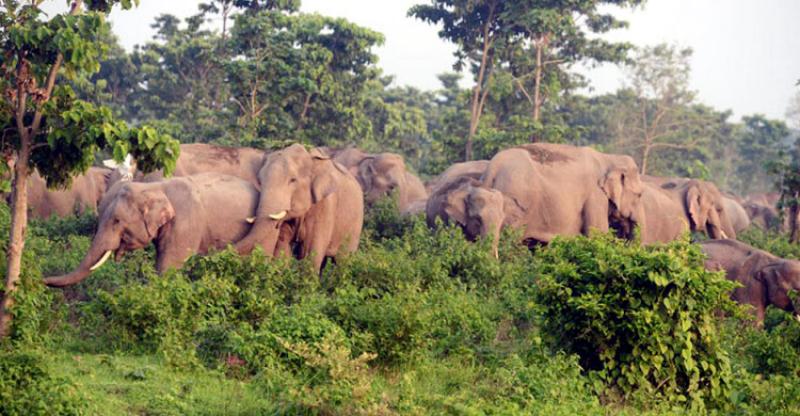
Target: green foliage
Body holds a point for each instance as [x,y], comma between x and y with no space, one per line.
[641,319]
[27,387]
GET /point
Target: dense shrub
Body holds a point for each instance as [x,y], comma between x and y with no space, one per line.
[28,389]
[775,243]
[641,319]
[775,349]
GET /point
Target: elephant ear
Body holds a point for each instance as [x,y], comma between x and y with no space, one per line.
[694,203]
[156,211]
[324,183]
[366,171]
[612,186]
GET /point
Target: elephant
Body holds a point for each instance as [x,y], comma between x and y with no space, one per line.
[380,174]
[663,217]
[182,216]
[766,279]
[555,189]
[763,216]
[196,158]
[702,202]
[456,170]
[310,200]
[478,210]
[739,218]
[84,194]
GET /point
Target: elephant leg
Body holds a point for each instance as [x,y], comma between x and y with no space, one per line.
[595,216]
[174,248]
[318,232]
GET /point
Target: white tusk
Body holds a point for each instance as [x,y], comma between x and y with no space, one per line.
[101,261]
[797,317]
[722,233]
[279,216]
[250,220]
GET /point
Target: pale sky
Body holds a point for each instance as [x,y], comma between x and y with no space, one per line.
[746,52]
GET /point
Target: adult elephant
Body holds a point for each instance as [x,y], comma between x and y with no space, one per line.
[703,205]
[663,219]
[182,216]
[766,279]
[740,221]
[196,158]
[310,200]
[472,168]
[380,175]
[84,194]
[565,190]
[763,216]
[478,210]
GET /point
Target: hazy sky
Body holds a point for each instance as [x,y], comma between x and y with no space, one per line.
[746,52]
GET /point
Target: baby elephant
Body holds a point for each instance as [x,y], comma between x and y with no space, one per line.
[766,279]
[182,216]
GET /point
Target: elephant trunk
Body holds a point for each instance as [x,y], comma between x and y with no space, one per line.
[266,227]
[99,252]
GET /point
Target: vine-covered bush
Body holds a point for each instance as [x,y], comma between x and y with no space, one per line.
[28,389]
[641,319]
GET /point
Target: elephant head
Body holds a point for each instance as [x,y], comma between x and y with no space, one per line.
[624,189]
[132,218]
[379,175]
[478,210]
[778,279]
[707,211]
[293,181]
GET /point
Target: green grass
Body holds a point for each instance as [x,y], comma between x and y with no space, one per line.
[145,385]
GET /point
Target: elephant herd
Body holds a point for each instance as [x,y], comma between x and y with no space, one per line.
[310,203]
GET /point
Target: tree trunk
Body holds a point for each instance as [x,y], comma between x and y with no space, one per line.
[16,241]
[19,198]
[539,44]
[537,85]
[645,156]
[794,211]
[477,107]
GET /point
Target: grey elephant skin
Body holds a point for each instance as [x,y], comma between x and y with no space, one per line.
[381,174]
[703,205]
[464,202]
[197,158]
[182,216]
[739,218]
[309,205]
[84,193]
[552,189]
[474,168]
[664,218]
[766,279]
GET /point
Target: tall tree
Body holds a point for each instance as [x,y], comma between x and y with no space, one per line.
[554,34]
[45,127]
[760,140]
[476,26]
[656,118]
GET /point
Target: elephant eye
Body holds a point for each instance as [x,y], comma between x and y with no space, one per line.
[293,180]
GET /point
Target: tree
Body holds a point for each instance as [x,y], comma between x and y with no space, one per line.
[760,140]
[301,77]
[554,33]
[793,111]
[477,28]
[45,127]
[659,116]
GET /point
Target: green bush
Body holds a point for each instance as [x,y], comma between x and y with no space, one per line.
[643,320]
[382,220]
[775,350]
[775,243]
[27,388]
